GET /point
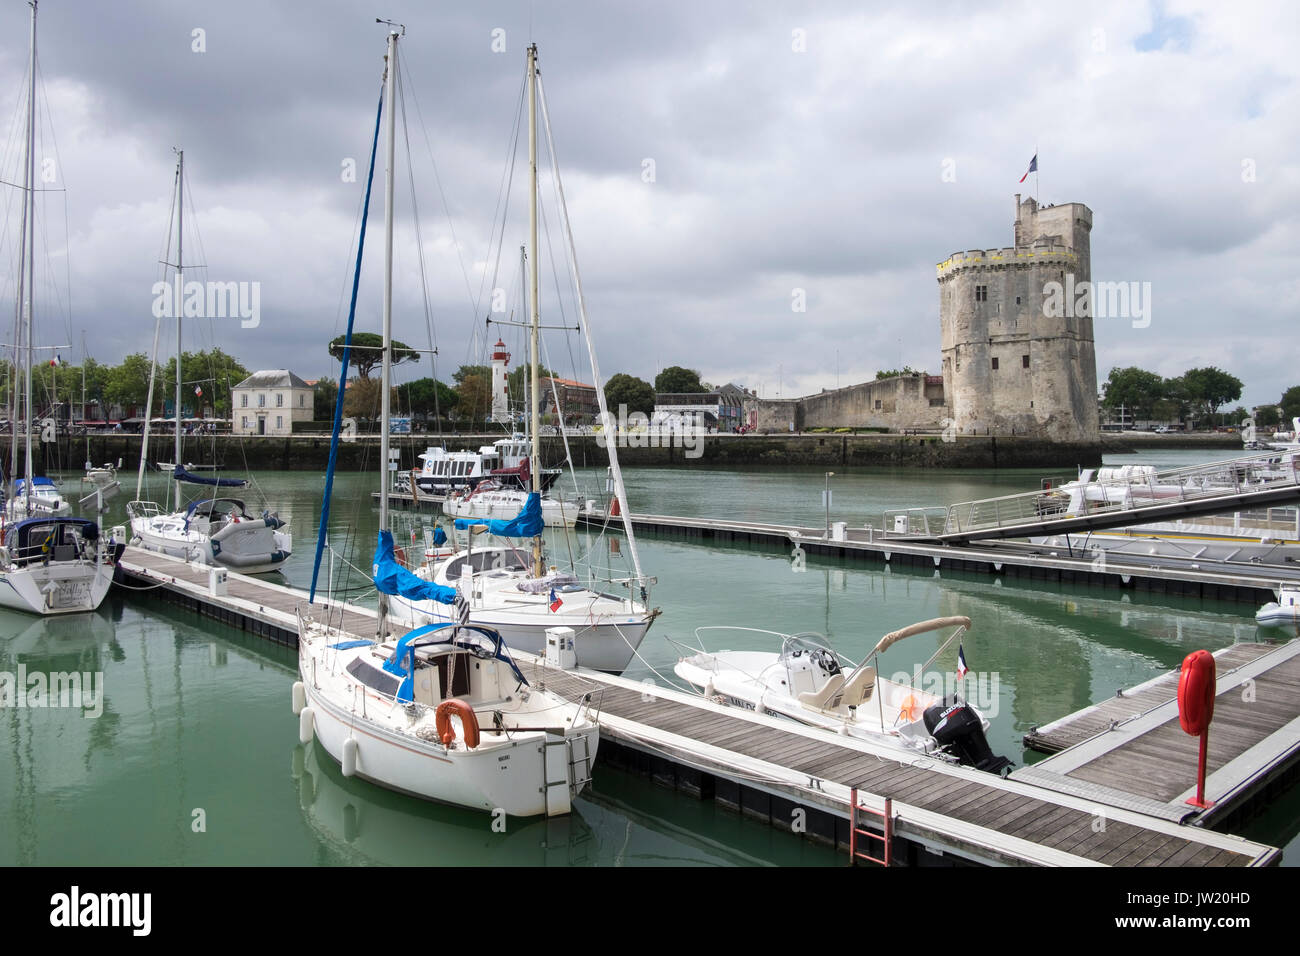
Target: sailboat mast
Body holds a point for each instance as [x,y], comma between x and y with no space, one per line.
[390,82]
[536,419]
[30,175]
[180,292]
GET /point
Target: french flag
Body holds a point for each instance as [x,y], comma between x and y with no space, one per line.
[962,669]
[56,361]
[1033,168]
[556,603]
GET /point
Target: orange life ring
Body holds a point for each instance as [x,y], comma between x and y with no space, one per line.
[446,733]
[908,709]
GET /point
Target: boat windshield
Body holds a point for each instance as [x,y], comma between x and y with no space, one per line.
[806,647]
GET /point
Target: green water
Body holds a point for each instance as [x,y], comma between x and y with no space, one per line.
[195,760]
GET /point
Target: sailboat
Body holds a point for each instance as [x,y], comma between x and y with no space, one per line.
[49,564]
[212,531]
[440,711]
[510,587]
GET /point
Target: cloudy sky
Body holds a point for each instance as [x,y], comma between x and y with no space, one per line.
[716,158]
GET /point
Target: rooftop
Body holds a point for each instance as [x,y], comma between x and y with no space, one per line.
[273,378]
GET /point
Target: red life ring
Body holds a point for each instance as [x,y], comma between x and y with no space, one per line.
[1196,691]
[447,733]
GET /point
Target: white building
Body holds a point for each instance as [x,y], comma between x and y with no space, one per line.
[269,402]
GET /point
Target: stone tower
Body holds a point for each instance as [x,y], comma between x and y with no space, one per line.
[1009,368]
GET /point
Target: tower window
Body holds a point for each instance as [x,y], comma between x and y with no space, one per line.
[1024,361]
[995,365]
[981,293]
[1017,300]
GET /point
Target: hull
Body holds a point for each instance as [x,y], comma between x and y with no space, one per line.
[495,505]
[55,588]
[258,550]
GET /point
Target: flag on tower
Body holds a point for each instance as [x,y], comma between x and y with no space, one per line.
[1033,168]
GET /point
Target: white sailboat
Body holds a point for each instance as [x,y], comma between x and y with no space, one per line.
[49,564]
[512,589]
[213,531]
[387,710]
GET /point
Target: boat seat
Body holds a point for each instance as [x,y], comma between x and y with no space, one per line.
[828,698]
[859,689]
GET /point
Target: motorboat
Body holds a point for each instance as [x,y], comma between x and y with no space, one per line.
[1285,610]
[213,531]
[44,500]
[808,682]
[506,461]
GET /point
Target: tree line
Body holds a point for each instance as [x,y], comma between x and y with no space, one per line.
[1197,395]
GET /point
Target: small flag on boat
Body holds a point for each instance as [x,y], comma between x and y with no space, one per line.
[1033,168]
[462,609]
[556,603]
[198,390]
[56,361]
[962,669]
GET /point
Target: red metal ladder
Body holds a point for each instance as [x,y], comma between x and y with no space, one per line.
[858,832]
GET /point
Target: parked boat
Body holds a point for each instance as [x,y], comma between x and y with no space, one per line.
[1285,610]
[49,563]
[506,461]
[808,682]
[441,711]
[213,531]
[490,500]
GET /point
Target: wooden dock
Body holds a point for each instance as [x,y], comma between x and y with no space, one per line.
[1201,578]
[795,777]
[1130,750]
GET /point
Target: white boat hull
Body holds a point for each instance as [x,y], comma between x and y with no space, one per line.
[55,588]
[258,550]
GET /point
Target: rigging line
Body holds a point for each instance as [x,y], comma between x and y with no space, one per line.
[503,194]
[54,140]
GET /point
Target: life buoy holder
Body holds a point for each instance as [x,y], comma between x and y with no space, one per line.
[469,723]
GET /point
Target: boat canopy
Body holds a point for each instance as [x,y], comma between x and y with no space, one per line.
[209,505]
[22,536]
[21,483]
[479,640]
[180,474]
[527,524]
[391,578]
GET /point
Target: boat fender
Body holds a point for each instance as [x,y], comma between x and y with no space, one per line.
[299,697]
[306,725]
[350,757]
[469,723]
[908,710]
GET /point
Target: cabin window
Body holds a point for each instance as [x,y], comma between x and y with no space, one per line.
[375,678]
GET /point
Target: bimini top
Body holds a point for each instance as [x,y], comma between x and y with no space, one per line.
[36,532]
[212,503]
[478,640]
[21,483]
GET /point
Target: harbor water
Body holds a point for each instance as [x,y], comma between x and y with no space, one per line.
[189,754]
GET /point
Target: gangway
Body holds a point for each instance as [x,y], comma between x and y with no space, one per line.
[1110,498]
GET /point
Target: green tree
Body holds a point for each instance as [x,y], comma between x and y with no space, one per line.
[427,397]
[1266,416]
[215,372]
[1210,388]
[894,373]
[474,392]
[1290,402]
[127,384]
[637,394]
[519,382]
[325,395]
[1134,390]
[368,351]
[678,379]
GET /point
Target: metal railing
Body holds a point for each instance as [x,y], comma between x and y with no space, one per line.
[1130,491]
[857,832]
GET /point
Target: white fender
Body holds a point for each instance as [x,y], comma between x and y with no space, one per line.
[350,757]
[299,697]
[306,725]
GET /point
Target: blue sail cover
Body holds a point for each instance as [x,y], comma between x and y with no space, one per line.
[439,537]
[180,474]
[527,524]
[391,578]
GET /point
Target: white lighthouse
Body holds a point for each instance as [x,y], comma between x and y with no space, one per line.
[500,395]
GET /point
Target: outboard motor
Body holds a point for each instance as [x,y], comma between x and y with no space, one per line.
[954,724]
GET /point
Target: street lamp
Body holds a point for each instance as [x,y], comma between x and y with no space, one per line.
[826,501]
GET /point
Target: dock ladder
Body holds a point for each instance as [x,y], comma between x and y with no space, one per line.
[857,832]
